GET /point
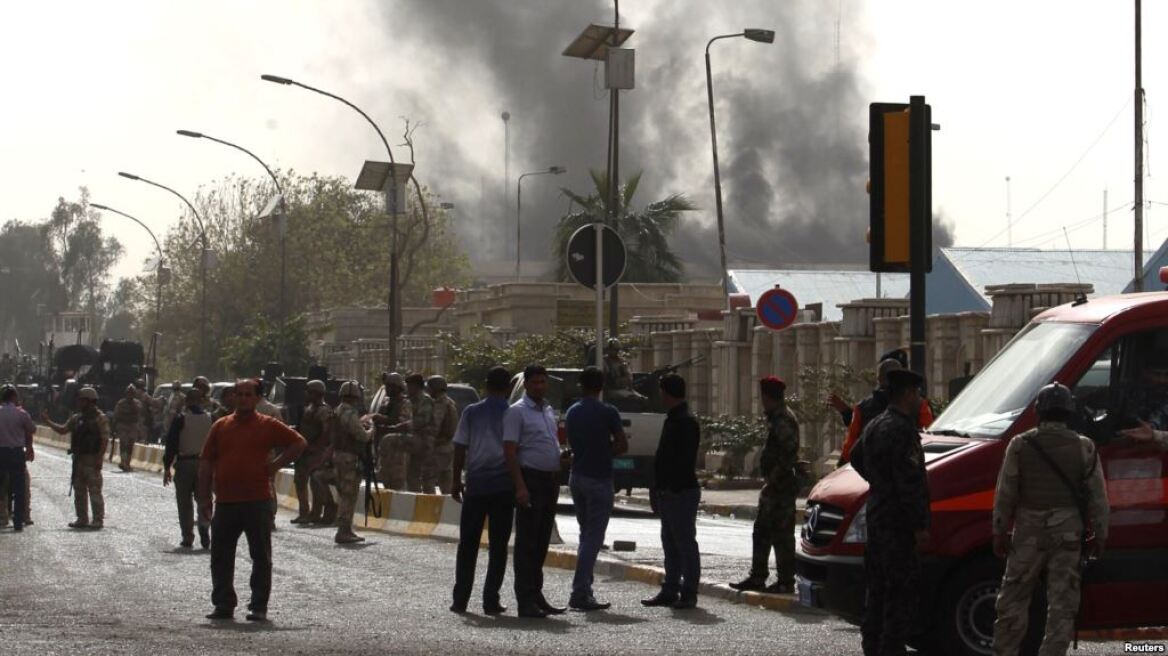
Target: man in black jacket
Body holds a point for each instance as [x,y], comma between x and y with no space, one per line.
[675,496]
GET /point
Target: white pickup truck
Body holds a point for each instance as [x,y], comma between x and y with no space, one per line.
[642,421]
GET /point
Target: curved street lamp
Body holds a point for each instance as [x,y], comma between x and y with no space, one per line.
[282,225]
[390,207]
[761,36]
[202,261]
[158,246]
[551,170]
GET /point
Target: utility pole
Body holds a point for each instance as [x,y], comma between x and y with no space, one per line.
[1138,281]
[614,194]
[1009,217]
[920,207]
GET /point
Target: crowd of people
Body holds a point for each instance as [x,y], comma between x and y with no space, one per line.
[503,462]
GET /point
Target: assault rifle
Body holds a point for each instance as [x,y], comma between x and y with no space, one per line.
[372,498]
[656,374]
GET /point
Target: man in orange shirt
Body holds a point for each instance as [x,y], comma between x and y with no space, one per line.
[237,464]
[871,407]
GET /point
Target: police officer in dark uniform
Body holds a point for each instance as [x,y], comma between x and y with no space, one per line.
[889,456]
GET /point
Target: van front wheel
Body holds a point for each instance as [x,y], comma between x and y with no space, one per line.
[965,620]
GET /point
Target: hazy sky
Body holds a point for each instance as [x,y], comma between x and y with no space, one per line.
[1021,89]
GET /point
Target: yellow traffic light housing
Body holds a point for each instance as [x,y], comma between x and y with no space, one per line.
[891,188]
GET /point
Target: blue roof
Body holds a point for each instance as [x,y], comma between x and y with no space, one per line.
[958,280]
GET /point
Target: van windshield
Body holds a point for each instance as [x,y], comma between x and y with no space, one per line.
[1001,392]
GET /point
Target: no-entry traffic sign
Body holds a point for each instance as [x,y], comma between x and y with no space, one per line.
[777,309]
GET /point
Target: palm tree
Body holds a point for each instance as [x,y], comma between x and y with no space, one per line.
[645,233]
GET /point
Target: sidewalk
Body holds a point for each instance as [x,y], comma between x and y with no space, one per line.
[735,504]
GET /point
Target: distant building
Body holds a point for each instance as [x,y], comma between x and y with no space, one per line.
[959,278]
[69,327]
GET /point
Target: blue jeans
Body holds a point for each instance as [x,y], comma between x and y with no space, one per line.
[592,499]
[679,514]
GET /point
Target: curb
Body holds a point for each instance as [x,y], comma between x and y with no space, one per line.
[1145,633]
[743,512]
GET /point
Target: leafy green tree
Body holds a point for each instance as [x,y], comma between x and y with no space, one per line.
[259,341]
[645,232]
[31,283]
[83,255]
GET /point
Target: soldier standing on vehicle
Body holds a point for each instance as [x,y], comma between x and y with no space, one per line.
[423,428]
[889,456]
[393,422]
[314,426]
[774,527]
[184,441]
[128,417]
[618,379]
[349,439]
[1050,485]
[438,470]
[89,436]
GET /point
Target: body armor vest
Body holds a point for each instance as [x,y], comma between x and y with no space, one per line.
[343,440]
[86,437]
[127,412]
[194,433]
[1039,487]
[311,426]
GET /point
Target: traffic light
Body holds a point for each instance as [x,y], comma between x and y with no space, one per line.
[891,187]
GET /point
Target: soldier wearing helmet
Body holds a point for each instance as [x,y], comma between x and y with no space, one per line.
[437,471]
[1040,503]
[618,378]
[129,415]
[412,460]
[89,435]
[315,425]
[349,437]
[393,418]
[202,384]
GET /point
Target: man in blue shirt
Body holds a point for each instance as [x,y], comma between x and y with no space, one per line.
[532,450]
[487,495]
[595,435]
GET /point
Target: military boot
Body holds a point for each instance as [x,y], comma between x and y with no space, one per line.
[347,536]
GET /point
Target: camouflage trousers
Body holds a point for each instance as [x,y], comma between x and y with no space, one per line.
[303,480]
[87,487]
[439,469]
[128,436]
[346,477]
[774,528]
[893,571]
[403,462]
[1035,550]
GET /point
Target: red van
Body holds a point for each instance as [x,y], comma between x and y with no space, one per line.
[1112,352]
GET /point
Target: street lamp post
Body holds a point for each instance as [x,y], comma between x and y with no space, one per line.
[282,225]
[761,36]
[552,170]
[390,206]
[202,262]
[158,246]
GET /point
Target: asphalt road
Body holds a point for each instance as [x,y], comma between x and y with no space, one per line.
[128,590]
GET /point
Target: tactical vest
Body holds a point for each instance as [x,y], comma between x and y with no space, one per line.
[390,407]
[85,439]
[343,440]
[1039,488]
[311,426]
[127,412]
[194,433]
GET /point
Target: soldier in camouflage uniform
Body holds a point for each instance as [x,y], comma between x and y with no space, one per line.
[89,436]
[423,428]
[1044,512]
[889,456]
[128,428]
[393,419]
[349,439]
[314,426]
[439,469]
[211,406]
[774,527]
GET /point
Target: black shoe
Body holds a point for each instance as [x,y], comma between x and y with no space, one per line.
[532,612]
[494,608]
[204,538]
[780,588]
[750,584]
[686,602]
[662,599]
[458,608]
[18,529]
[186,544]
[588,603]
[222,614]
[257,616]
[548,608]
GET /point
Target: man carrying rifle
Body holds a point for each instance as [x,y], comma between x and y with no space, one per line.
[1051,484]
[89,435]
[349,439]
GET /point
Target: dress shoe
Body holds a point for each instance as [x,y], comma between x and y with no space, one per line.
[96,526]
[18,529]
[494,608]
[204,538]
[348,538]
[531,611]
[686,602]
[458,608]
[548,608]
[750,584]
[661,599]
[257,616]
[299,519]
[186,544]
[79,524]
[588,603]
[221,614]
[780,588]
